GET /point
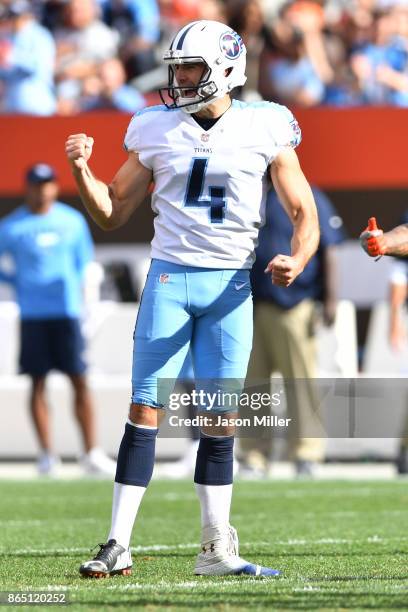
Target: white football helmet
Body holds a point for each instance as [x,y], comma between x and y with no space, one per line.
[223,54]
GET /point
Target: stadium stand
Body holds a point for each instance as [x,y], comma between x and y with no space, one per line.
[301,53]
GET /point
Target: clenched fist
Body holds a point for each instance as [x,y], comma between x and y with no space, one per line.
[283,269]
[78,148]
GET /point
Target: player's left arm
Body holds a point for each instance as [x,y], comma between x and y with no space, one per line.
[296,196]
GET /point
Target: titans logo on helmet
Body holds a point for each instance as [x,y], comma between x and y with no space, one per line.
[231,45]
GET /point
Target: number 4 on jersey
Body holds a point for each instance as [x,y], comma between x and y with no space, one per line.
[216,199]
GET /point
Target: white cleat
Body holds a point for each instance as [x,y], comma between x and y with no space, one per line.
[219,555]
[97,463]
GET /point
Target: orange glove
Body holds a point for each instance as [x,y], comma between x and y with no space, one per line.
[372,224]
[371,239]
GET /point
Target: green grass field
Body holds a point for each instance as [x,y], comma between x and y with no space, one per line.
[340,545]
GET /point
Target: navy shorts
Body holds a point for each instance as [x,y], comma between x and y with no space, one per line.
[51,344]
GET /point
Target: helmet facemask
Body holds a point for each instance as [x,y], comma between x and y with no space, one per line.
[205,91]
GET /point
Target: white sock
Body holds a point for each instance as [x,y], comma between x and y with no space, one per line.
[215,503]
[126,502]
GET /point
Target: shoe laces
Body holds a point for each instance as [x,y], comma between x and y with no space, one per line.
[106,553]
[233,545]
[225,540]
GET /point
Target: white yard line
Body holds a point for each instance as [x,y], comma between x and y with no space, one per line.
[186,584]
[39,522]
[216,583]
[374,539]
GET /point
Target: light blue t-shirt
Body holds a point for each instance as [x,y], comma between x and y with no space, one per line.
[288,77]
[49,253]
[29,74]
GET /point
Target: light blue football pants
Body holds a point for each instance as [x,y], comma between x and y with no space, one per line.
[206,310]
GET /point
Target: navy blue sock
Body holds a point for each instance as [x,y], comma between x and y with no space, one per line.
[136,456]
[194,429]
[215,461]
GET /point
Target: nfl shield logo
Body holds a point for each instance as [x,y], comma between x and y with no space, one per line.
[164,278]
[205,137]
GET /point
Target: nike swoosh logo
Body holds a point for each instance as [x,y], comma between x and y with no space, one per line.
[239,286]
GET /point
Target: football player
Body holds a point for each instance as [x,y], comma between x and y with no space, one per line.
[209,158]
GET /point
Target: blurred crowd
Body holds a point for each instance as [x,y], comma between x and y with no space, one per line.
[69,56]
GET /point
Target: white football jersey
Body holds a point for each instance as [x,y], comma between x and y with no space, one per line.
[210,186]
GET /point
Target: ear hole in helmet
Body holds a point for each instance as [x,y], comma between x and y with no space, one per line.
[228,71]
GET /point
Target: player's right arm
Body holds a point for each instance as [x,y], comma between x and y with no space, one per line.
[110,206]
